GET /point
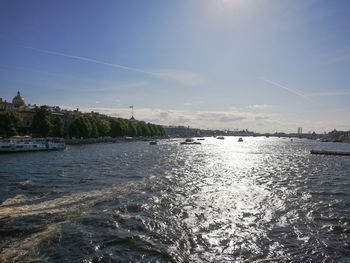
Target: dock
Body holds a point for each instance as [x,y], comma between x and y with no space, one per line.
[330,152]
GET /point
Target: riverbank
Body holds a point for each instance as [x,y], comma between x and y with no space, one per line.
[109,139]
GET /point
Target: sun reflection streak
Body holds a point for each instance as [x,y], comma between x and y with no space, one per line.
[233,203]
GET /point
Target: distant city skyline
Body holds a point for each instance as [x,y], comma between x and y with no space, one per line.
[265,66]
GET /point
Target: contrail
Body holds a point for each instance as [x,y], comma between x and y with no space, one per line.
[90,60]
[184,77]
[298,93]
[331,93]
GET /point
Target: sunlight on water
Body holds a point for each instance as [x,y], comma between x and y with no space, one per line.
[229,205]
[224,200]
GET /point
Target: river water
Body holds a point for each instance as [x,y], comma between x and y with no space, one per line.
[261,200]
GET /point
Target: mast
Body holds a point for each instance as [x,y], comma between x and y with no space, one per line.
[132,111]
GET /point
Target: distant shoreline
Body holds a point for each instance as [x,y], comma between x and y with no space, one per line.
[108,139]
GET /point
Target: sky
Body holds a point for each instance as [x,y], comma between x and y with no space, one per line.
[262,65]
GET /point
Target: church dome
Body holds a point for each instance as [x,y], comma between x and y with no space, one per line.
[18,100]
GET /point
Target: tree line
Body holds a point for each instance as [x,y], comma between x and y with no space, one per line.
[45,124]
[10,123]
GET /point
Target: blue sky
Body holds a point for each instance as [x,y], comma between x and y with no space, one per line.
[227,64]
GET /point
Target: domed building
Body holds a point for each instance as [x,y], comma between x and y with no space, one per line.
[18,101]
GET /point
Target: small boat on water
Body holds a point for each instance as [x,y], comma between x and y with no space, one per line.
[200,139]
[153,142]
[189,141]
[240,139]
[25,144]
[220,138]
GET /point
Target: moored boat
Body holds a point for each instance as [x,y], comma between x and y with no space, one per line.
[190,141]
[240,139]
[25,144]
[329,152]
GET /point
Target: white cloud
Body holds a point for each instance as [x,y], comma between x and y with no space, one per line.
[259,118]
[164,114]
[259,106]
[198,119]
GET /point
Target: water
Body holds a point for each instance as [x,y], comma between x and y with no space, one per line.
[263,200]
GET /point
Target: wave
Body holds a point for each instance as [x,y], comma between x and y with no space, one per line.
[62,210]
[27,248]
[18,199]
[65,204]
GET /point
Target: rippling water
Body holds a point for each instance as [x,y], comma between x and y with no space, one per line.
[262,200]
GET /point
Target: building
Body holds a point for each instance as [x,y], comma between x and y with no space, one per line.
[18,101]
[300,130]
[132,119]
[28,111]
[18,104]
[5,106]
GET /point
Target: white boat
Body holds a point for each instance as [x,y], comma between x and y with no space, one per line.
[30,144]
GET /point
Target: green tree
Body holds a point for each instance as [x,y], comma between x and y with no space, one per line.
[145,130]
[10,123]
[41,125]
[93,122]
[152,129]
[156,130]
[57,128]
[73,129]
[161,130]
[124,126]
[103,127]
[85,127]
[132,131]
[80,128]
[117,128]
[139,129]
